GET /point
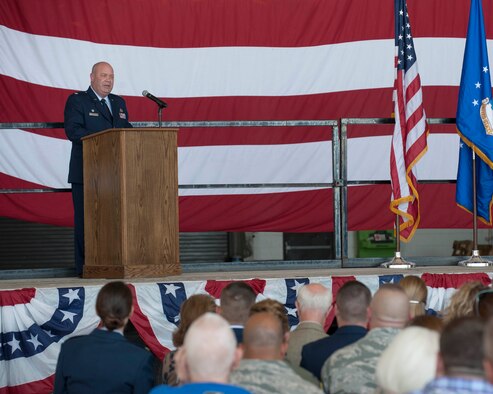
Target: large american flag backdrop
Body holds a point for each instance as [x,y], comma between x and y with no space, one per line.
[234,60]
[34,322]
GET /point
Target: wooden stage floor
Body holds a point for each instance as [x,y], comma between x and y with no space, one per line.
[11,284]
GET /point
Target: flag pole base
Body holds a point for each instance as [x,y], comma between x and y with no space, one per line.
[475,261]
[398,262]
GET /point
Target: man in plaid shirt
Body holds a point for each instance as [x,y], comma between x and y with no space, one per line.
[461,358]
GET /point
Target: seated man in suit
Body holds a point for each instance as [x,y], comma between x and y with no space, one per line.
[89,112]
[352,312]
[352,369]
[313,305]
[104,361]
[205,360]
[236,300]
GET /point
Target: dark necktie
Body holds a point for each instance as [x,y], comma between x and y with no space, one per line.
[106,110]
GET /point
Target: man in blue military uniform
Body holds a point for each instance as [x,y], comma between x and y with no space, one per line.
[86,113]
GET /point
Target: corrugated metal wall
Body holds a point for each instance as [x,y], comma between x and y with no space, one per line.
[33,245]
[197,247]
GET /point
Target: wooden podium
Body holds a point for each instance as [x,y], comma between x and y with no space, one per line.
[131,203]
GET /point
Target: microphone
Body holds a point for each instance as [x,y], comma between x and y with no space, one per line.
[159,102]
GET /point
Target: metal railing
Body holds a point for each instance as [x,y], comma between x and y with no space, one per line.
[339,183]
[344,182]
[333,124]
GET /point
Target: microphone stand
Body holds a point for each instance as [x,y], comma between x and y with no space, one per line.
[160,115]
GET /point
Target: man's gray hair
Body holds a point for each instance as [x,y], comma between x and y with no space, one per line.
[314,296]
[210,348]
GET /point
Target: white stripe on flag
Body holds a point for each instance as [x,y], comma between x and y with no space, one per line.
[287,163]
[224,71]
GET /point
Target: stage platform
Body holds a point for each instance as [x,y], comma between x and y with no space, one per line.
[37,314]
[11,284]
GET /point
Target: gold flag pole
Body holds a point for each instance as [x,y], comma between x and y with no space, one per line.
[398,261]
[475,260]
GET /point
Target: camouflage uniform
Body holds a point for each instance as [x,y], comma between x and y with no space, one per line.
[352,368]
[270,377]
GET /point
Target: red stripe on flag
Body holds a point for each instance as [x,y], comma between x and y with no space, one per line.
[308,211]
[143,327]
[231,22]
[363,203]
[15,297]
[44,386]
[337,283]
[454,281]
[435,212]
[215,287]
[167,23]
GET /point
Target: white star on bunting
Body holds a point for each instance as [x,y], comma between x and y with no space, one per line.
[291,311]
[49,333]
[171,289]
[15,344]
[72,295]
[68,316]
[34,341]
[297,286]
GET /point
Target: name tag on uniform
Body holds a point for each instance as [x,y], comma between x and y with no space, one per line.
[93,113]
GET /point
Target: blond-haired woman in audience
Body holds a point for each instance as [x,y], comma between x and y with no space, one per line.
[409,362]
[191,309]
[416,290]
[463,300]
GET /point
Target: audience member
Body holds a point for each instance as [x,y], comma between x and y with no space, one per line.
[279,310]
[206,358]
[409,362]
[263,369]
[484,304]
[104,361]
[416,291]
[463,300]
[236,300]
[460,361]
[352,368]
[313,304]
[427,321]
[191,309]
[352,311]
[276,308]
[488,350]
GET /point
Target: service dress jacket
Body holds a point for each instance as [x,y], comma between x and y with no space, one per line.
[103,362]
[84,115]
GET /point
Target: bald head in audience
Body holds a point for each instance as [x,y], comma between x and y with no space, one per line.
[209,352]
[264,337]
[389,307]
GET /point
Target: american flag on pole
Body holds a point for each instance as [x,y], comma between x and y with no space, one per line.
[409,142]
